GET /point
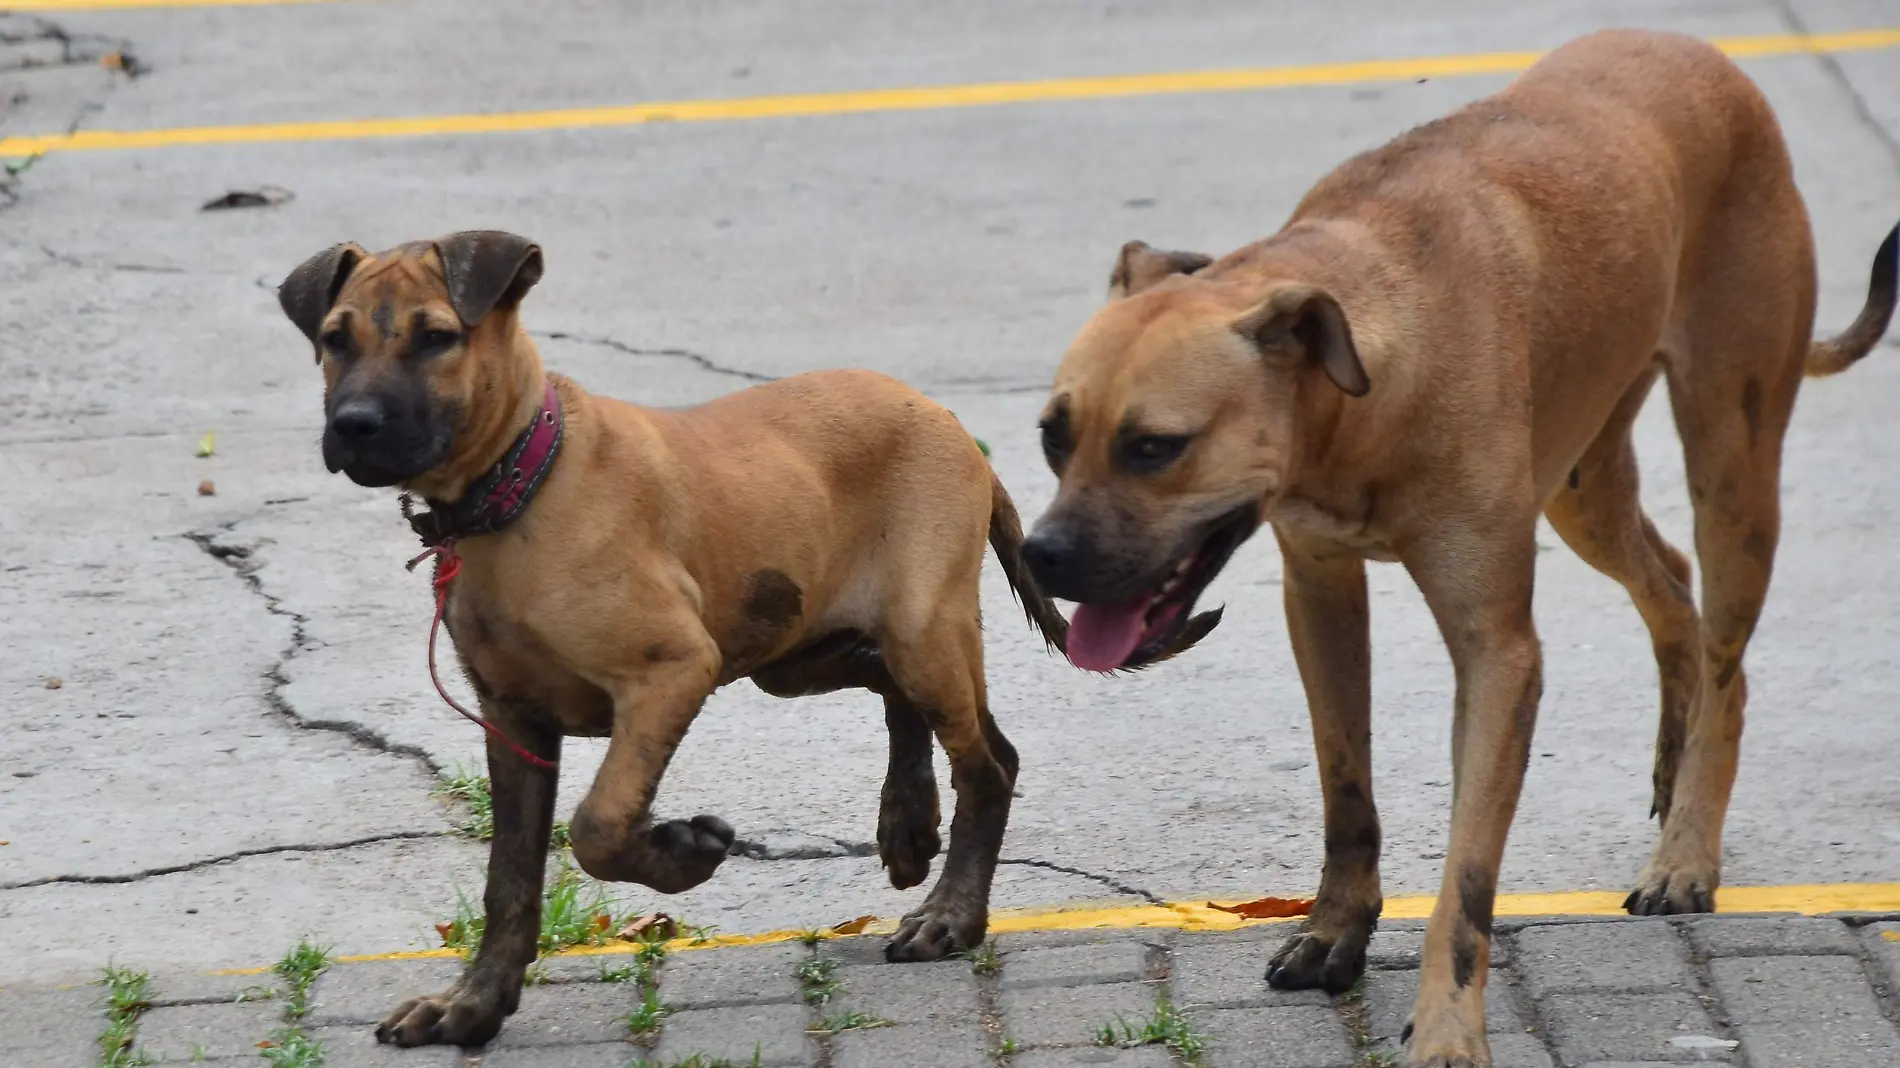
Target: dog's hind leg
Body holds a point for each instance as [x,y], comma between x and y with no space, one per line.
[909,811]
[1328,622]
[1599,514]
[471,1012]
[936,659]
[1732,395]
[613,833]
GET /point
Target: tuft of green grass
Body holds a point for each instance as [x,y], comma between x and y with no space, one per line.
[462,784]
[817,979]
[811,936]
[1166,1027]
[561,837]
[840,1022]
[984,960]
[128,995]
[1009,1046]
[289,1046]
[17,167]
[700,1060]
[572,914]
[649,1014]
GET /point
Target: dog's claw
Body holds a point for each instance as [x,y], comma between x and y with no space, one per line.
[1662,892]
[450,1018]
[1308,961]
[933,933]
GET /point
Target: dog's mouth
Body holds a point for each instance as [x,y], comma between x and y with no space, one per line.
[1106,637]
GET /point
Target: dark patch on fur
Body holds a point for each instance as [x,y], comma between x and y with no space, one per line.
[773,599]
[1576,478]
[1730,665]
[1524,715]
[1751,408]
[385,319]
[1477,893]
[1759,548]
[656,653]
[1464,956]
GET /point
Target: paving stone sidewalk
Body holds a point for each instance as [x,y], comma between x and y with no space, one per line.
[1752,991]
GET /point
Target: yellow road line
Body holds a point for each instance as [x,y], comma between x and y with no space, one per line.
[1200,915]
[984,94]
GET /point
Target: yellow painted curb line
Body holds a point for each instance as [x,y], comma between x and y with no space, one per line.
[985,94]
[1200,915]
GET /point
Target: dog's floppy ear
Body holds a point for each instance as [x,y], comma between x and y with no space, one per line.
[1141,265]
[308,293]
[486,270]
[1307,319]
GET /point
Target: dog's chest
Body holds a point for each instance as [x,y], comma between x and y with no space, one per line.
[1310,522]
[511,668]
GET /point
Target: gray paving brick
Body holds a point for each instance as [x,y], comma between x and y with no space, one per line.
[1070,1016]
[1112,962]
[1518,1050]
[1760,990]
[942,993]
[225,1029]
[1882,941]
[175,987]
[935,1045]
[1223,975]
[1819,1044]
[578,967]
[569,1015]
[775,1032]
[1758,936]
[1402,946]
[369,991]
[1389,995]
[1152,936]
[1633,955]
[356,1047]
[858,949]
[1590,1027]
[57,1026]
[1094,1057]
[1298,1036]
[710,978]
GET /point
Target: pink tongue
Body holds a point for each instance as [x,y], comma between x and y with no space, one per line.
[1101,636]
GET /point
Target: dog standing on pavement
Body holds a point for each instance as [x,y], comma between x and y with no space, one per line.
[818,533]
[1452,336]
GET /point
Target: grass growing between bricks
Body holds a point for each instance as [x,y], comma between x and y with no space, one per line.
[1166,1027]
[700,1060]
[289,1046]
[128,995]
[571,915]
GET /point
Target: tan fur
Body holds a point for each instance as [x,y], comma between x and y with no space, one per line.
[1504,286]
[820,532]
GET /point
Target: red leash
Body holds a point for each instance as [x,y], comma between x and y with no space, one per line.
[447,566]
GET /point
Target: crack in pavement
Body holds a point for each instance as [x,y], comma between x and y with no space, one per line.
[261,851]
[68,260]
[238,559]
[1862,111]
[1114,884]
[705,363]
[752,850]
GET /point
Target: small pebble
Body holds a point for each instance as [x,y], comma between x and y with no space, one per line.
[54,682]
[207,488]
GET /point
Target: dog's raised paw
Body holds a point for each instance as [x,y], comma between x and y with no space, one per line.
[907,841]
[1310,961]
[690,849]
[447,1019]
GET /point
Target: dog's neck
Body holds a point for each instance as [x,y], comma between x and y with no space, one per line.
[509,449]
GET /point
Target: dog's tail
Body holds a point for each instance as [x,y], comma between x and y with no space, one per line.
[1840,352]
[1006,538]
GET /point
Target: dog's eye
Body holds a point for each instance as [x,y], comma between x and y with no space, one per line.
[1055,441]
[1152,452]
[336,342]
[437,340]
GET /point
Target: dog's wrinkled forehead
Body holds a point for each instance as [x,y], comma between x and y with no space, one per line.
[1149,364]
[392,287]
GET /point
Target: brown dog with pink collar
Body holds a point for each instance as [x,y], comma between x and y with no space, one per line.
[612,565]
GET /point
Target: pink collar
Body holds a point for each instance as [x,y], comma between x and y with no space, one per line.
[499,497]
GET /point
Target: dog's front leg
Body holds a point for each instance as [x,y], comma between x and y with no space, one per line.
[1479,589]
[470,1012]
[1328,623]
[614,836]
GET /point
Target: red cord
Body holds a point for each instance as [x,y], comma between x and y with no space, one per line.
[447,566]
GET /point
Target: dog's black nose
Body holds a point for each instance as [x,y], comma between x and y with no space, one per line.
[1050,554]
[357,420]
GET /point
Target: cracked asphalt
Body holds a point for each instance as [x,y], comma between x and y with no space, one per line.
[243,742]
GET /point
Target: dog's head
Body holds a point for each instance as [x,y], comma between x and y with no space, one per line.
[408,340]
[1176,419]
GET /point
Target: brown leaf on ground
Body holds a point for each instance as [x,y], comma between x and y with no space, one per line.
[446,930]
[603,921]
[857,926]
[1268,908]
[652,925]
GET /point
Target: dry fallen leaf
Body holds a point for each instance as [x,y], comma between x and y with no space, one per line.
[446,930]
[207,444]
[603,921]
[54,682]
[652,925]
[1268,908]
[266,1044]
[857,926]
[207,488]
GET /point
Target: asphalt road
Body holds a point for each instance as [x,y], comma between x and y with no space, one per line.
[245,740]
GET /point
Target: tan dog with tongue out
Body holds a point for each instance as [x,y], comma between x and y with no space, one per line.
[1452,336]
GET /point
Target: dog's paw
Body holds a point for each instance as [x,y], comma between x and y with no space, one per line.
[1663,890]
[907,839]
[1453,1042]
[454,1018]
[1310,960]
[686,852]
[937,931]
